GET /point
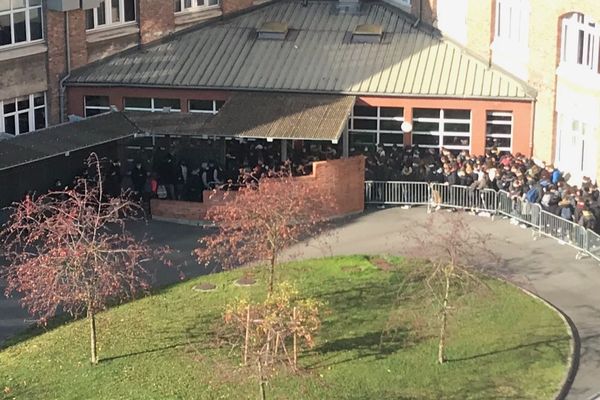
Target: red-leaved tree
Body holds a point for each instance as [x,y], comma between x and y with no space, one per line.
[69,250]
[255,223]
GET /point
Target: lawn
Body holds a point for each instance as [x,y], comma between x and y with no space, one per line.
[509,345]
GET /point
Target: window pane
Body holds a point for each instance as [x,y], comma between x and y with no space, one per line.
[115,11]
[99,101]
[18,4]
[5,33]
[365,111]
[40,118]
[177,5]
[9,125]
[457,114]
[33,3]
[129,10]
[89,19]
[369,124]
[426,126]
[201,105]
[9,107]
[4,5]
[137,102]
[38,100]
[497,142]
[391,138]
[363,138]
[391,112]
[35,23]
[456,141]
[101,14]
[219,104]
[213,2]
[161,103]
[187,3]
[23,122]
[390,125]
[501,129]
[90,112]
[426,139]
[457,128]
[19,27]
[426,113]
[23,104]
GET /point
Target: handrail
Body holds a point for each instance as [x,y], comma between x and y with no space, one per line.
[437,195]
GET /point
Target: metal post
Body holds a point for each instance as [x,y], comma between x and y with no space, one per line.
[345,143]
[284,150]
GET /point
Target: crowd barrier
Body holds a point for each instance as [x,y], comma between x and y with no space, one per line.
[437,195]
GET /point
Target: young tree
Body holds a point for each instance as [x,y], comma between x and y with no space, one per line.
[69,250]
[255,223]
[454,253]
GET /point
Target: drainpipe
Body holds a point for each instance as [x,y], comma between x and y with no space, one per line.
[68,75]
[533,105]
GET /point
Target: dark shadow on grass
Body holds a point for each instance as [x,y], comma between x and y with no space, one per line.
[549,343]
[149,351]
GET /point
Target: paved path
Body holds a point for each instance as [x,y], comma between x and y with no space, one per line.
[543,266]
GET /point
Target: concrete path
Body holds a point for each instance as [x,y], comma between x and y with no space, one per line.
[543,267]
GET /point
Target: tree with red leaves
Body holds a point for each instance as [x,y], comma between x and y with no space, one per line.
[257,222]
[69,250]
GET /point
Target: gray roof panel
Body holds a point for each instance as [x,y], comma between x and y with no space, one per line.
[316,56]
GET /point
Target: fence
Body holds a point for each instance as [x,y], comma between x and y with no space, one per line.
[436,195]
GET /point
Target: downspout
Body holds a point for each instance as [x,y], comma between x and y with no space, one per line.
[68,75]
[418,21]
[533,105]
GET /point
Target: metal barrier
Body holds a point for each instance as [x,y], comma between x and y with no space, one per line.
[437,195]
[397,193]
[463,197]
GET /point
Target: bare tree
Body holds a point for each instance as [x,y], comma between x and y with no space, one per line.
[455,253]
[69,249]
[260,220]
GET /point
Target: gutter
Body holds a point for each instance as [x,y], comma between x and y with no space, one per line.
[68,75]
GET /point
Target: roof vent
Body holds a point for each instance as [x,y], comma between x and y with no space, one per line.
[273,30]
[367,33]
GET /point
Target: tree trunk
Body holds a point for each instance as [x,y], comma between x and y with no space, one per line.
[442,343]
[261,382]
[272,273]
[92,318]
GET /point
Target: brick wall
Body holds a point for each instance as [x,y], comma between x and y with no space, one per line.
[345,177]
[229,6]
[157,19]
[57,64]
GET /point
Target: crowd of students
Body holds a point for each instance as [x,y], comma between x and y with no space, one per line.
[520,176]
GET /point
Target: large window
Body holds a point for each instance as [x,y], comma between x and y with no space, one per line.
[580,45]
[95,105]
[23,114]
[450,129]
[190,5]
[205,106]
[151,104]
[110,12]
[20,21]
[376,125]
[499,129]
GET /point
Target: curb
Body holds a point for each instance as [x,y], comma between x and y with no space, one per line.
[573,360]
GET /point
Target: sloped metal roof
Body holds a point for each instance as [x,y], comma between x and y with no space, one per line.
[59,139]
[173,123]
[318,55]
[297,116]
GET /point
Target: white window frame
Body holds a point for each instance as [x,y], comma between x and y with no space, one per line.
[510,47]
[441,133]
[11,12]
[573,27]
[378,131]
[30,113]
[152,108]
[490,121]
[213,111]
[108,22]
[99,108]
[196,5]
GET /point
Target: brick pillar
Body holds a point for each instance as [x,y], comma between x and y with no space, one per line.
[77,35]
[157,19]
[57,64]
[229,6]
[478,122]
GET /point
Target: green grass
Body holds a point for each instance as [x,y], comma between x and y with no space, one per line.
[509,345]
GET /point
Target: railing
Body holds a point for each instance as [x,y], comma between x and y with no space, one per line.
[436,196]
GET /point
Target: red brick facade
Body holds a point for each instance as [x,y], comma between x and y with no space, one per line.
[156,19]
[345,177]
[229,6]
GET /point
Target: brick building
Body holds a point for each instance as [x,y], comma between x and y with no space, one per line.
[552,45]
[36,53]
